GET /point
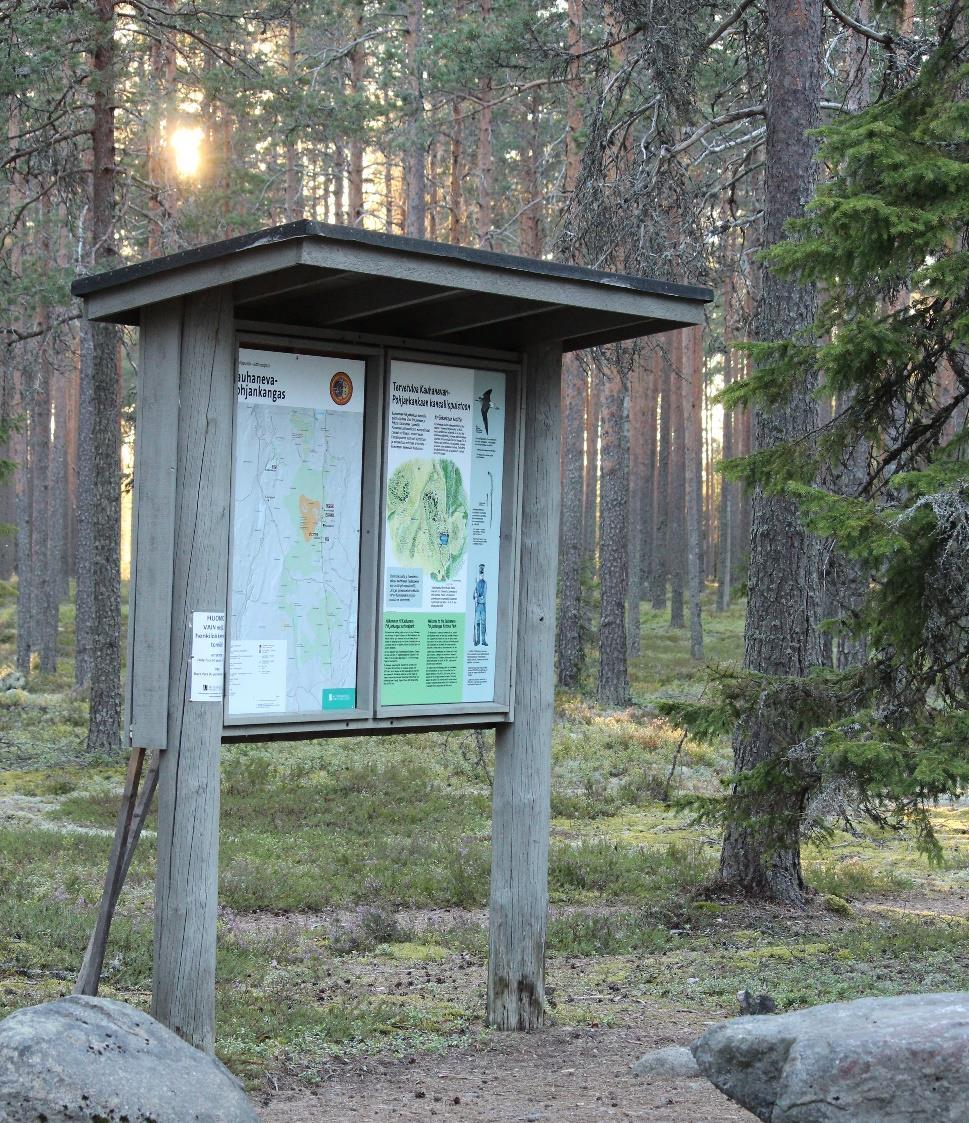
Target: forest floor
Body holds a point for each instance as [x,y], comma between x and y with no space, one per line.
[352,934]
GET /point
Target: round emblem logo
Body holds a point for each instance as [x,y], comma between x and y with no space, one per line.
[341,388]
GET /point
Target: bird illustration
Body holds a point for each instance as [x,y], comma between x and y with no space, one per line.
[485,401]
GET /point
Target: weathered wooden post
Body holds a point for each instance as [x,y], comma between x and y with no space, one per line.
[523,749]
[342,388]
[186,884]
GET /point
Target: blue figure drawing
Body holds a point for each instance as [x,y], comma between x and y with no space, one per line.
[479,597]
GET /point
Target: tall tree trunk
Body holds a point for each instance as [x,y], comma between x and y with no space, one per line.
[573,94]
[161,196]
[105,712]
[339,183]
[590,518]
[486,156]
[456,198]
[692,437]
[648,561]
[43,581]
[661,526]
[8,490]
[637,487]
[293,201]
[676,524]
[569,641]
[415,158]
[847,579]
[358,69]
[761,850]
[84,548]
[24,561]
[530,236]
[728,512]
[614,499]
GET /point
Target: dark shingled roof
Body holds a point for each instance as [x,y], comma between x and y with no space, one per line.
[322,276]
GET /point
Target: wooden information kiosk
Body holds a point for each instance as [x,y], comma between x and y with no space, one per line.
[345,521]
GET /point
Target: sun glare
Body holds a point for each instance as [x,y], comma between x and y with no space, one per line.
[186,143]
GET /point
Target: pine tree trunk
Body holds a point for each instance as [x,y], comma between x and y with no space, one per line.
[415,160]
[486,158]
[637,487]
[614,499]
[24,562]
[569,641]
[676,534]
[661,526]
[648,563]
[42,580]
[8,491]
[761,852]
[530,224]
[692,436]
[293,201]
[728,511]
[105,712]
[573,92]
[455,202]
[84,550]
[358,67]
[590,518]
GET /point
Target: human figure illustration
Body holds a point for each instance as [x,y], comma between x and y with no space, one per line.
[479,596]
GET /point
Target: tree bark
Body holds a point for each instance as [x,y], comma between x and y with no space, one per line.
[637,487]
[653,375]
[761,852]
[661,527]
[42,580]
[84,548]
[530,224]
[676,524]
[590,518]
[570,542]
[486,157]
[613,520]
[293,187]
[358,68]
[415,159]
[105,710]
[692,436]
[728,511]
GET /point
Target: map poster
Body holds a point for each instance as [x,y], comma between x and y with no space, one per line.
[296,501]
[442,534]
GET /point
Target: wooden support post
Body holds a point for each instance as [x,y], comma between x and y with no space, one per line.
[186,891]
[522,788]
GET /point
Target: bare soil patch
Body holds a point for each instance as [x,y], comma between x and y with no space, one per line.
[555,1075]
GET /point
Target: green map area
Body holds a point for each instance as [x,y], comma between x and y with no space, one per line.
[427,516]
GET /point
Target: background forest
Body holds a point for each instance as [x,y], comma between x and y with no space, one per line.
[675,140]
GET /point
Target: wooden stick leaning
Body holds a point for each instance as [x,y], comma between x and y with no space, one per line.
[135,805]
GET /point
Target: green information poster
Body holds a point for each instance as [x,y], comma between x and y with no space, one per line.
[442,534]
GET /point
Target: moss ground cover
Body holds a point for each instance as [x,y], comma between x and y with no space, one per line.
[354,879]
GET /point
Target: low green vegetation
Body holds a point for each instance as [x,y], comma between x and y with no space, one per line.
[354,878]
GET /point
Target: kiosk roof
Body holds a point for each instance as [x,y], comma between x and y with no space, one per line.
[312,275]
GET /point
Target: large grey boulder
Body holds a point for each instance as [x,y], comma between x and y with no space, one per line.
[876,1060]
[92,1060]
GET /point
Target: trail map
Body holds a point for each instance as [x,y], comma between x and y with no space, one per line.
[295,533]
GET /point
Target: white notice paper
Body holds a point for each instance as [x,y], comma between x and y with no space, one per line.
[208,653]
[257,676]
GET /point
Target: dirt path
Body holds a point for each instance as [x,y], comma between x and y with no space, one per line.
[560,1075]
